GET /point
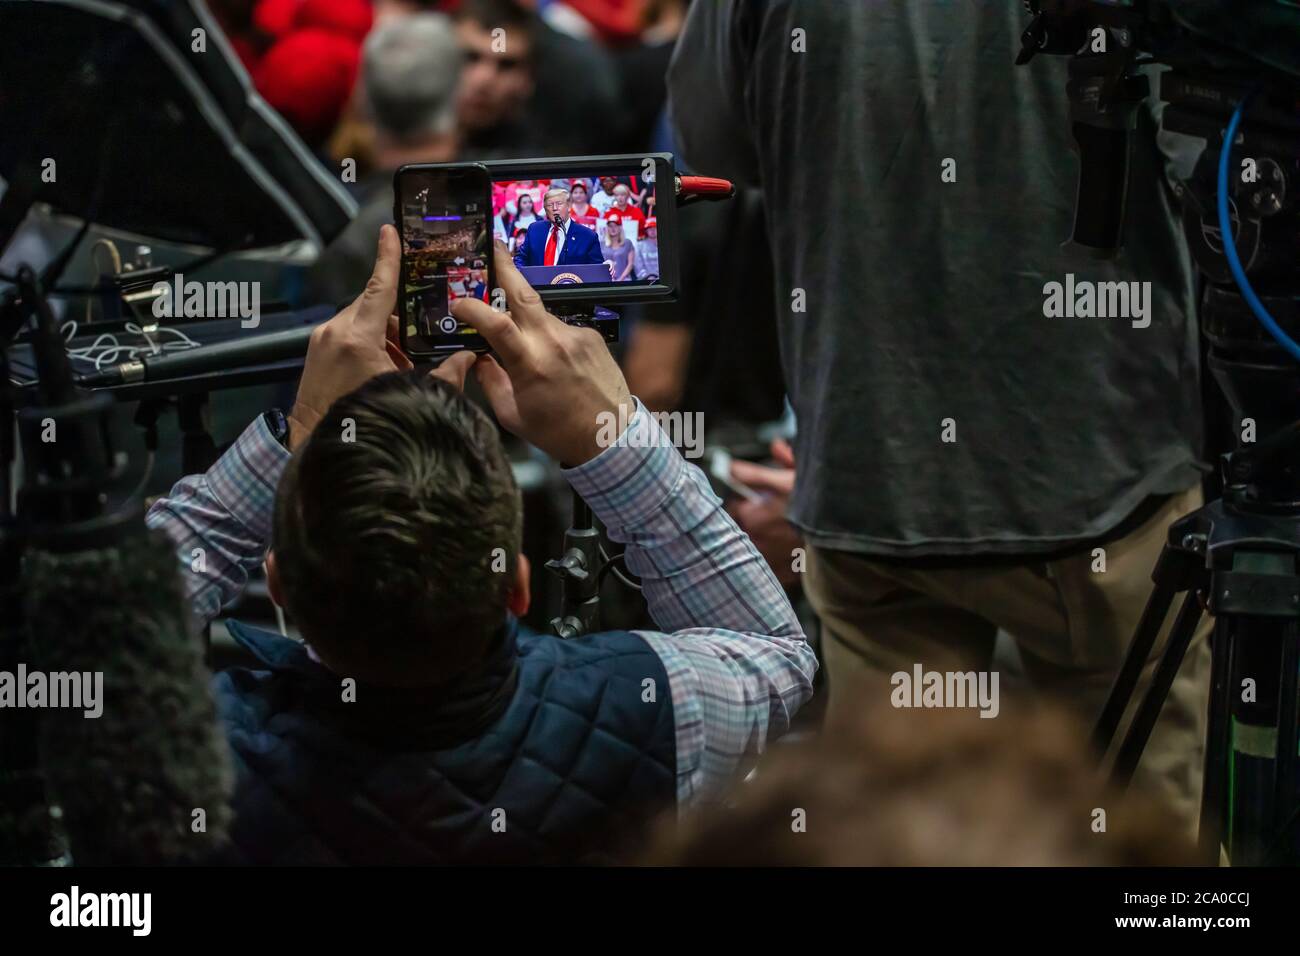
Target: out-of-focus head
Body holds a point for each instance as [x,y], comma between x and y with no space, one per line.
[578,192]
[410,69]
[607,183]
[621,196]
[652,227]
[525,203]
[496,37]
[914,787]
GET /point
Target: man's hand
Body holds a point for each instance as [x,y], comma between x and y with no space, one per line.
[764,521]
[354,346]
[558,382]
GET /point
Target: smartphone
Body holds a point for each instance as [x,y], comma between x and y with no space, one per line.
[443,212]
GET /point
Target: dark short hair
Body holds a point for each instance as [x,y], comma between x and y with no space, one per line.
[387,527]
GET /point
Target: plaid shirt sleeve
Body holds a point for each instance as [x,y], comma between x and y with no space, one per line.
[737,660]
[220,521]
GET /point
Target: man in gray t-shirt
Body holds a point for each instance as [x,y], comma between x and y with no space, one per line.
[974,451]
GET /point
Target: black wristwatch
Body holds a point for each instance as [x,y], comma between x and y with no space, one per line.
[278,424]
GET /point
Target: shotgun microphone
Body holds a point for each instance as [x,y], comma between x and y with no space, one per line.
[139,768]
[129,742]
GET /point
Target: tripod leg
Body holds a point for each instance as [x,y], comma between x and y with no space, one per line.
[1144,721]
[1144,638]
[1288,715]
[1215,786]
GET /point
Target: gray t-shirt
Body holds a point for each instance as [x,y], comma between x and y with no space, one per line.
[941,410]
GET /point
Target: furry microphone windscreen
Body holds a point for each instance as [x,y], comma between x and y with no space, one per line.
[148,780]
[28,835]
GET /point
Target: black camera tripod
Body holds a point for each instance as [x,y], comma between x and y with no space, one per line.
[1239,556]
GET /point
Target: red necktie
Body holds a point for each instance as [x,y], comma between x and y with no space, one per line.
[550,247]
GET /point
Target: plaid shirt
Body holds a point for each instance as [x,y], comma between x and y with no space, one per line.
[737,661]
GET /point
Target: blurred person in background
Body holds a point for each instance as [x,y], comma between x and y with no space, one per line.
[685,356]
[642,68]
[930,788]
[530,90]
[498,79]
[409,73]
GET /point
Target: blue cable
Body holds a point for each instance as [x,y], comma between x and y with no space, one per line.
[1230,244]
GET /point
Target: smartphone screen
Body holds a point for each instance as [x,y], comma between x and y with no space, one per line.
[443,213]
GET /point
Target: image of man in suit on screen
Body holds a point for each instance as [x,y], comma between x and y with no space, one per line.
[558,240]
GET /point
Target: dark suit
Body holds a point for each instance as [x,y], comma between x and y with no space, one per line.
[580,246]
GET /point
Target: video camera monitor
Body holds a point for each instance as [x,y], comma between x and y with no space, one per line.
[595,229]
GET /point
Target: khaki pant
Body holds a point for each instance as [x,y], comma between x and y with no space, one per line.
[1071,624]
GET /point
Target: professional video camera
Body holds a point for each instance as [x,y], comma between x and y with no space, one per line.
[1228,73]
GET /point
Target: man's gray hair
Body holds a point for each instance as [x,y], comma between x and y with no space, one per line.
[552,191]
[410,66]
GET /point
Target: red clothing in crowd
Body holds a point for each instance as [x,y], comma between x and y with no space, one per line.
[307,76]
[631,212]
[589,218]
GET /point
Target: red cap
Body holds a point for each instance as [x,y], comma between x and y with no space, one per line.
[651,223]
[616,21]
[613,217]
[347,18]
[275,17]
[307,76]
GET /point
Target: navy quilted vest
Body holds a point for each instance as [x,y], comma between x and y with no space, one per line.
[577,761]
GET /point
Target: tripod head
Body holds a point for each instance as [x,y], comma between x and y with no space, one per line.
[1242,203]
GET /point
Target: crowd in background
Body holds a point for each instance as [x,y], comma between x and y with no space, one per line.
[603,93]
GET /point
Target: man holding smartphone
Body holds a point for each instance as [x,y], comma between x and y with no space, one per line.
[419,723]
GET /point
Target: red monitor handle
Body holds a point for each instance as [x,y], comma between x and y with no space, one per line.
[702,188]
